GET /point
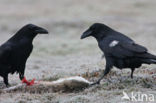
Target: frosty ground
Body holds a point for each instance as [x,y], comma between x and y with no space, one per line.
[63,54]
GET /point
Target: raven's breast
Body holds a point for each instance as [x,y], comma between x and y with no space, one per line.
[19,57]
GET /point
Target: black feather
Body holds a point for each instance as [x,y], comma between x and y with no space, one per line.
[124,54]
[15,52]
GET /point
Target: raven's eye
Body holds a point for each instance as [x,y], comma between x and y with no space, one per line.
[92,28]
[32,28]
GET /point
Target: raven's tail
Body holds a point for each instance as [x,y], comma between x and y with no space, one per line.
[148,58]
[149,61]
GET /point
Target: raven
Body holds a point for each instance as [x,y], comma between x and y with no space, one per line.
[119,50]
[15,52]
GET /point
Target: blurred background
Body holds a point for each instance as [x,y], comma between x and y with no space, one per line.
[62,53]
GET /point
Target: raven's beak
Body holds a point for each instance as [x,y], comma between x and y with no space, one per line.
[86,34]
[41,31]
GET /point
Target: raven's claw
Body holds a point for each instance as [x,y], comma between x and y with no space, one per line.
[95,83]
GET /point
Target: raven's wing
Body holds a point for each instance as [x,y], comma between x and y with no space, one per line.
[134,47]
[5,52]
[126,49]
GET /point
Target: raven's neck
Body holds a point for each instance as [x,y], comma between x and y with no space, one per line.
[20,35]
[103,34]
[100,36]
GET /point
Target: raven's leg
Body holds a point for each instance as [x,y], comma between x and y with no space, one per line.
[106,71]
[132,72]
[21,76]
[5,78]
[21,73]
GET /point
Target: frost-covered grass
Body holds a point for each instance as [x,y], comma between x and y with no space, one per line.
[62,54]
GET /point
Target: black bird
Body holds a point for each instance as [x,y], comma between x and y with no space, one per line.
[15,52]
[119,50]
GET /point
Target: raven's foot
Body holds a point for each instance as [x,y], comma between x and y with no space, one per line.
[109,80]
[8,85]
[95,83]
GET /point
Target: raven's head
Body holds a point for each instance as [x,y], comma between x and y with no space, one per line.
[31,30]
[35,29]
[96,30]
